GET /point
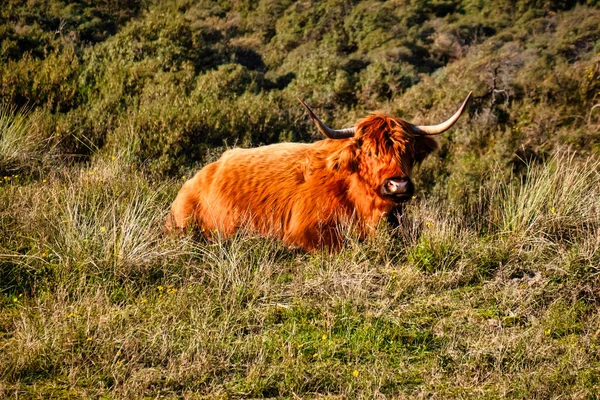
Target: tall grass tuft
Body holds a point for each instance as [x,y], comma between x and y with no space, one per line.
[17,146]
[111,227]
[555,200]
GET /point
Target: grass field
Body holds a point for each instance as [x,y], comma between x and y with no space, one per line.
[497,298]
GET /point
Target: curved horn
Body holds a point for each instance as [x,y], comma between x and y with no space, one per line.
[325,130]
[444,126]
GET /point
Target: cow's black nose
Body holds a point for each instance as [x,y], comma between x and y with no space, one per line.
[400,188]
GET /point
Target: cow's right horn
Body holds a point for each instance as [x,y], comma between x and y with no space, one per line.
[325,130]
[444,126]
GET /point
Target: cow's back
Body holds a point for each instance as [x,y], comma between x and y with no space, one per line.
[245,187]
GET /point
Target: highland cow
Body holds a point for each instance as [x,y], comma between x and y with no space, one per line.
[306,194]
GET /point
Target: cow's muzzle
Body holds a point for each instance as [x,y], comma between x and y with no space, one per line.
[399,189]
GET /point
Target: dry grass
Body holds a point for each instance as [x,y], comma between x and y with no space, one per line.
[18,148]
[96,301]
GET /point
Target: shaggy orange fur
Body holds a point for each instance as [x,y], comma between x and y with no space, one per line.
[303,193]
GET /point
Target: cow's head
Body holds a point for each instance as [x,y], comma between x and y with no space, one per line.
[383,150]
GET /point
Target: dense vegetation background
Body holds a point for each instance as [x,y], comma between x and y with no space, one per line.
[490,286]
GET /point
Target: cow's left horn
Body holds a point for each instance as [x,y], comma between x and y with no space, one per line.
[444,126]
[325,130]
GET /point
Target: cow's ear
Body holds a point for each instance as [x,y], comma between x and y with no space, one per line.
[345,159]
[424,146]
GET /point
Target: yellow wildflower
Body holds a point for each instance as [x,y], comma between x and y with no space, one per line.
[355,372]
[102,229]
